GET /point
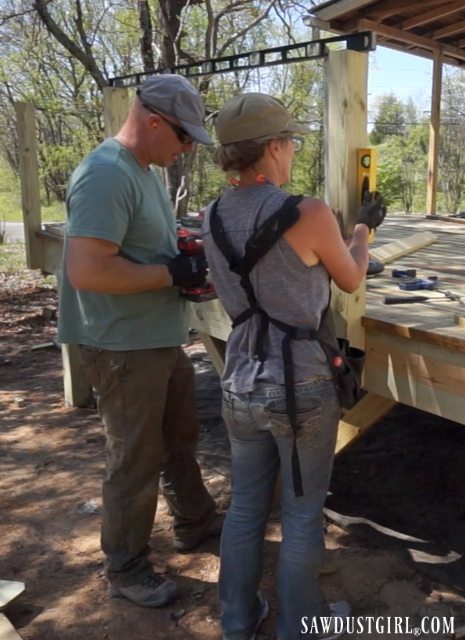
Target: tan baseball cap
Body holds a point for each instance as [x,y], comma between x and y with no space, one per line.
[254,115]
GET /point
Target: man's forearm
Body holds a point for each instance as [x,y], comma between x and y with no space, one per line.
[116,275]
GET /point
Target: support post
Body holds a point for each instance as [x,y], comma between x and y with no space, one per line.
[30,189]
[115,109]
[434,134]
[346,131]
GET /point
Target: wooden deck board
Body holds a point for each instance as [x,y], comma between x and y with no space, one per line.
[415,353]
[445,259]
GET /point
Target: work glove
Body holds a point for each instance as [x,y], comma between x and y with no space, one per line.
[188,271]
[373,210]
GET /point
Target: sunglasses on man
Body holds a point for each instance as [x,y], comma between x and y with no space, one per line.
[181,134]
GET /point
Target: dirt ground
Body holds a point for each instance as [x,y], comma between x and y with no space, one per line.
[51,463]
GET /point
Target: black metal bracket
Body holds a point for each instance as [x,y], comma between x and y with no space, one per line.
[287,54]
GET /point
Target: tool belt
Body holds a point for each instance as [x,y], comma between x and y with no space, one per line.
[262,240]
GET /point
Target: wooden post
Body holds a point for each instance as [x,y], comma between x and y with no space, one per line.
[346,131]
[434,134]
[29,174]
[115,109]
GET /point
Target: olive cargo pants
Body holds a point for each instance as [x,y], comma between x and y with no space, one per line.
[146,400]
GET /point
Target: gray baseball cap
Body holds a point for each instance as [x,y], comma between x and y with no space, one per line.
[175,96]
[254,115]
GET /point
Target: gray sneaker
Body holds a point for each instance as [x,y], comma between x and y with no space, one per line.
[151,590]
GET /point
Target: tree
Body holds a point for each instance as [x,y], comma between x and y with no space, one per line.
[63,53]
[390,119]
[452,141]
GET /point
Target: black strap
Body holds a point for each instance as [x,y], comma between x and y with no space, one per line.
[258,245]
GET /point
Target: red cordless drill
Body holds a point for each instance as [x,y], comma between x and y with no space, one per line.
[190,243]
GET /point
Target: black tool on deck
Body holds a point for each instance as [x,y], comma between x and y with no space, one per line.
[405,299]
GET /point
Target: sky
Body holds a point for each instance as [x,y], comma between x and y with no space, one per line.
[403,74]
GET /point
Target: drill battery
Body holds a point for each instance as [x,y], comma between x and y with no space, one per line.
[190,243]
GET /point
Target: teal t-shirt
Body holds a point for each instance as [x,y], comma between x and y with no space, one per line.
[111,197]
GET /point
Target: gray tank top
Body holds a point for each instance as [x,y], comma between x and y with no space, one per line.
[285,287]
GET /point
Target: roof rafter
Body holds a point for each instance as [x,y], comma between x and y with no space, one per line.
[433,14]
[334,9]
[408,37]
[389,8]
[450,30]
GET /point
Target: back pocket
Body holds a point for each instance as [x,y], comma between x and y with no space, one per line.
[308,422]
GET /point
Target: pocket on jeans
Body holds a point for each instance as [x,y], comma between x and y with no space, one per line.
[238,416]
[309,423]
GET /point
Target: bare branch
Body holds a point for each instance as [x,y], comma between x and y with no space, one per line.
[12,16]
[246,29]
[86,58]
[280,10]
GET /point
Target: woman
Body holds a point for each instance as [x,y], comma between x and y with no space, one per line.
[289,287]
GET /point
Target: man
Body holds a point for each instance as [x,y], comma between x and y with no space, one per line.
[120,302]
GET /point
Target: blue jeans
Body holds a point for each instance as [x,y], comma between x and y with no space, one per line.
[261,444]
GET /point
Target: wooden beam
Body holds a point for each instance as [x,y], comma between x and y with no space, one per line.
[394,33]
[30,188]
[115,109]
[345,132]
[449,337]
[210,318]
[446,218]
[7,630]
[390,8]
[450,30]
[364,415]
[398,248]
[434,128]
[417,373]
[9,590]
[78,392]
[216,349]
[407,37]
[336,9]
[417,51]
[431,15]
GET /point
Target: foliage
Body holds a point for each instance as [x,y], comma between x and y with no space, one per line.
[390,119]
[62,54]
[452,142]
[402,168]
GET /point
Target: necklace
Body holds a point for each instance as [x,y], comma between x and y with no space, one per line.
[259,179]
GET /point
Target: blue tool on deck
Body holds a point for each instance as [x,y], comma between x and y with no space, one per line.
[416,284]
[430,283]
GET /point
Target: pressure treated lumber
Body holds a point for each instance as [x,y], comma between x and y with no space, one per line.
[115,109]
[7,631]
[346,131]
[435,118]
[30,186]
[9,590]
[399,248]
[364,415]
[417,373]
